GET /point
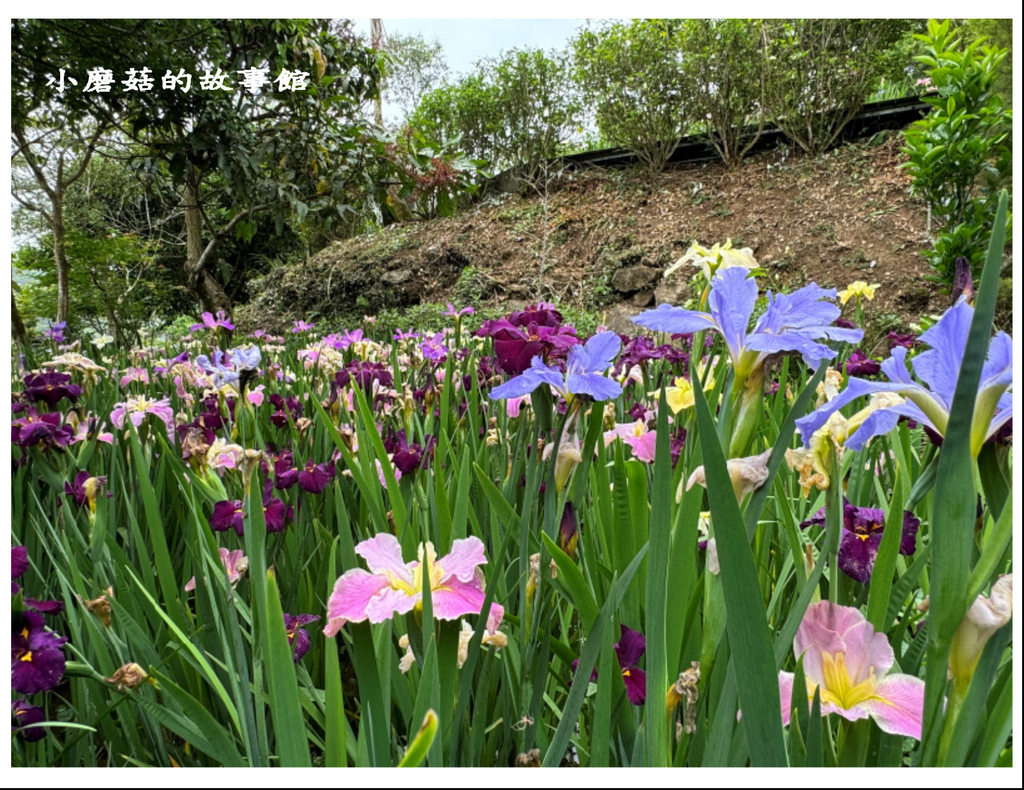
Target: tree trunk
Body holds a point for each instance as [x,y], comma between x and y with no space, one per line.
[376,34]
[212,296]
[60,257]
[17,325]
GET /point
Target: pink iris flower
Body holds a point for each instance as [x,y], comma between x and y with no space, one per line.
[636,435]
[393,586]
[235,564]
[848,661]
[136,409]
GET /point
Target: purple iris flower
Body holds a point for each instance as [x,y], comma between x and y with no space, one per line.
[46,430]
[406,457]
[282,406]
[963,283]
[218,366]
[451,312]
[315,477]
[516,346]
[906,341]
[862,535]
[275,512]
[246,358]
[212,322]
[301,326]
[345,339]
[297,636]
[860,365]
[49,388]
[434,348]
[79,491]
[541,314]
[19,564]
[792,322]
[400,335]
[285,474]
[929,404]
[363,374]
[629,650]
[37,661]
[56,332]
[584,373]
[23,717]
[227,514]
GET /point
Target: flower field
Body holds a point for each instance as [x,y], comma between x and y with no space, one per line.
[734,537]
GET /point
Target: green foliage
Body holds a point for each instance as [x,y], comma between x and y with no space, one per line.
[234,156]
[633,75]
[436,178]
[514,112]
[820,73]
[116,285]
[415,67]
[726,63]
[960,154]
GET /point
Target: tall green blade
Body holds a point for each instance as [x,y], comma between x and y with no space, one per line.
[956,499]
[747,625]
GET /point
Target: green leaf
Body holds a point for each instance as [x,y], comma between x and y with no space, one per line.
[289,724]
[572,579]
[581,679]
[657,751]
[197,725]
[336,726]
[747,625]
[955,498]
[885,560]
[417,751]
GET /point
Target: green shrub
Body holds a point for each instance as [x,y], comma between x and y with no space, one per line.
[960,154]
[634,76]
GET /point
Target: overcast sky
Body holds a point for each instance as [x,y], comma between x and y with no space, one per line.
[466,41]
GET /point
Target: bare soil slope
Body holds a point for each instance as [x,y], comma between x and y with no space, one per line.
[600,240]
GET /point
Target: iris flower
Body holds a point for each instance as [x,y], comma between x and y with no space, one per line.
[629,650]
[45,430]
[849,662]
[212,322]
[584,373]
[298,639]
[930,403]
[792,322]
[719,258]
[862,535]
[24,716]
[49,388]
[860,290]
[136,409]
[235,564]
[393,586]
[860,365]
[451,312]
[314,477]
[37,661]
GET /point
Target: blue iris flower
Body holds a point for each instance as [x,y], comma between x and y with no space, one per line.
[584,372]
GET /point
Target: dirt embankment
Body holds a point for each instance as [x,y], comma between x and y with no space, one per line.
[599,240]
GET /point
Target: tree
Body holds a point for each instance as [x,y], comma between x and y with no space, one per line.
[821,71]
[517,110]
[46,153]
[725,61]
[633,74]
[415,67]
[256,150]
